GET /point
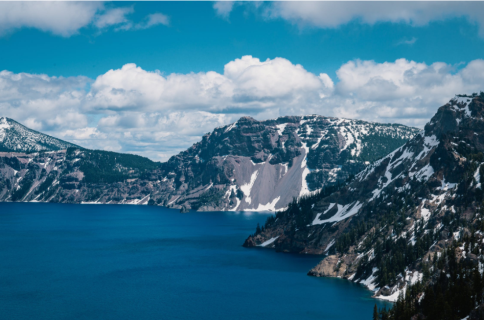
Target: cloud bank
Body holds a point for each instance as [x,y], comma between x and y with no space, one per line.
[68,18]
[332,14]
[147,112]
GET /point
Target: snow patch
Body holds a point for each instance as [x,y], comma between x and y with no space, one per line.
[233,125]
[344,212]
[423,174]
[270,206]
[281,128]
[425,213]
[173,200]
[268,242]
[246,188]
[329,245]
[448,185]
[369,282]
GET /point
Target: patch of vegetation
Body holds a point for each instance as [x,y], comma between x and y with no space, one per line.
[22,191]
[377,146]
[109,167]
[12,162]
[210,197]
[46,184]
[455,291]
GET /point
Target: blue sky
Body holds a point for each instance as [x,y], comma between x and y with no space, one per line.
[198,39]
[179,69]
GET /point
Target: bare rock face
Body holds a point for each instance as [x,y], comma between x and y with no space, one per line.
[331,266]
[248,165]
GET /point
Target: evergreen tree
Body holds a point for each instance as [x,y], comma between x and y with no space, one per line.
[257,229]
[375,313]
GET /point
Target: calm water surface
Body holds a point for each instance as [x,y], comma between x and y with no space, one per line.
[60,261]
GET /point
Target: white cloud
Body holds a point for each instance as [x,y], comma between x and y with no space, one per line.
[223,8]
[67,18]
[271,80]
[45,102]
[401,91]
[156,115]
[153,20]
[408,42]
[332,14]
[113,17]
[245,83]
[60,18]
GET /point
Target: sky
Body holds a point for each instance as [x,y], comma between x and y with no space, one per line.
[152,77]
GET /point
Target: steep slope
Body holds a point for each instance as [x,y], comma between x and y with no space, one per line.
[404,220]
[263,165]
[15,137]
[248,165]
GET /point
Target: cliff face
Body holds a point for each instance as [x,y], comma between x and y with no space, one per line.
[263,165]
[389,227]
[248,165]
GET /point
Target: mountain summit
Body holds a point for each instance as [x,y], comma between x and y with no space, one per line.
[15,137]
[247,165]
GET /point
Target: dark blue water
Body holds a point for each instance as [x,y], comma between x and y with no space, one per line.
[62,261]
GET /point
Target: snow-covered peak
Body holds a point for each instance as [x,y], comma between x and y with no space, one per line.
[18,138]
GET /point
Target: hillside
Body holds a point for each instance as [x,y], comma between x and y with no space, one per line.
[248,165]
[409,225]
[15,137]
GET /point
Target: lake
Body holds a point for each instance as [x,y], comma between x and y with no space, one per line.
[63,261]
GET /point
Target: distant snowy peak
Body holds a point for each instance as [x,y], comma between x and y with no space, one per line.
[314,132]
[15,137]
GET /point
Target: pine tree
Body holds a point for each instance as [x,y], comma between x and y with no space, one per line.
[375,313]
[477,287]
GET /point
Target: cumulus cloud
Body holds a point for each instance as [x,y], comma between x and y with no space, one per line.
[67,18]
[332,14]
[402,91]
[245,82]
[147,112]
[44,102]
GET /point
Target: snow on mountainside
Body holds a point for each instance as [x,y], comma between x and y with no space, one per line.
[18,138]
[263,165]
[247,165]
[390,227]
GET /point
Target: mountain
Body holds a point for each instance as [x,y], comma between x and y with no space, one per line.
[408,225]
[263,165]
[247,165]
[15,137]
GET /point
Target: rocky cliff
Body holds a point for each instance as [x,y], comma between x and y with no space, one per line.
[412,218]
[248,165]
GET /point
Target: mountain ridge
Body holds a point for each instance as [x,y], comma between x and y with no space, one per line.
[247,165]
[404,221]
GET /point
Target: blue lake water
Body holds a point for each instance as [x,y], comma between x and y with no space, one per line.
[60,261]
